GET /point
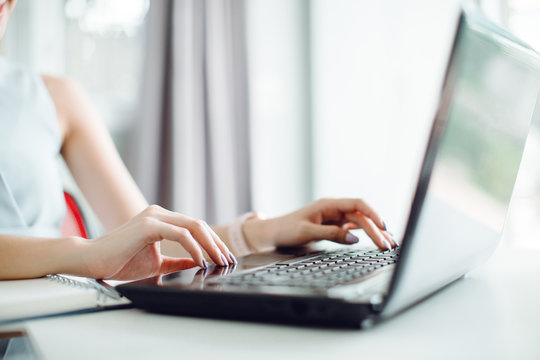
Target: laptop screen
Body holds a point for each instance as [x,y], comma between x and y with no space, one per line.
[488,100]
[490,113]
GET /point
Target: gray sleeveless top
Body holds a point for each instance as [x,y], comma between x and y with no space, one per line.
[31,192]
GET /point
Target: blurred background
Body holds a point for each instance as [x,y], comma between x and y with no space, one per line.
[223,106]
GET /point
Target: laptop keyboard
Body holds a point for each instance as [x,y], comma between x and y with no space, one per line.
[320,271]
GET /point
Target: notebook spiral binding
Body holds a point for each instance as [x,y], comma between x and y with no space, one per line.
[103,292]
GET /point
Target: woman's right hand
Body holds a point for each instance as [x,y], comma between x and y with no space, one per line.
[132,251]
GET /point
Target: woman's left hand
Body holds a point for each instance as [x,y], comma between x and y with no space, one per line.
[325,219]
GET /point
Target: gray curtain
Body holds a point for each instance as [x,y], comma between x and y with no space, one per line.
[190,148]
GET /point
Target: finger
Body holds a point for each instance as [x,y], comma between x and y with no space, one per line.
[330,232]
[171,264]
[371,230]
[222,246]
[177,234]
[199,231]
[390,238]
[349,226]
[354,205]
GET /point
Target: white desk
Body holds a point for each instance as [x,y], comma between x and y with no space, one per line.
[492,314]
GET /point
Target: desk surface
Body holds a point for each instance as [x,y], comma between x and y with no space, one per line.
[491,314]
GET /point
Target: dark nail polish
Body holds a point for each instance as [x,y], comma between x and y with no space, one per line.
[204,264]
[384,225]
[224,261]
[233,259]
[351,239]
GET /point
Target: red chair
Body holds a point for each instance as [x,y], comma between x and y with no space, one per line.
[73,224]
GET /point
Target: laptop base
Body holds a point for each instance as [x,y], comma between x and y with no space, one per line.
[295,310]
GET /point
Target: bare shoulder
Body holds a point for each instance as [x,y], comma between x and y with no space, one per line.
[68,98]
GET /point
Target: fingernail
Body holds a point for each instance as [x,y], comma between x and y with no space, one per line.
[395,242]
[384,225]
[204,264]
[387,244]
[224,261]
[233,259]
[351,239]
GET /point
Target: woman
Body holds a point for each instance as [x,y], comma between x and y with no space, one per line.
[42,116]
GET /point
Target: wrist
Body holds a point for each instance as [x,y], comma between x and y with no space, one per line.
[73,256]
[259,234]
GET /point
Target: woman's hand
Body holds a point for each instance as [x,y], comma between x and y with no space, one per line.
[329,219]
[132,250]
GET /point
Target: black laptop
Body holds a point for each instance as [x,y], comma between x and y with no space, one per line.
[489,96]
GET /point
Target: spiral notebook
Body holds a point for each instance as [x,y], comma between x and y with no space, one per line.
[55,295]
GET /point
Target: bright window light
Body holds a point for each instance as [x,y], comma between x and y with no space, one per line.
[107,17]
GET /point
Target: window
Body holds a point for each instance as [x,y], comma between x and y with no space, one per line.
[98,43]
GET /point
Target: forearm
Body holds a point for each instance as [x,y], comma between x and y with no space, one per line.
[102,176]
[92,158]
[30,257]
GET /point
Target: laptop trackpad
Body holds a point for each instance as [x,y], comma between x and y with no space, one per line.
[255,260]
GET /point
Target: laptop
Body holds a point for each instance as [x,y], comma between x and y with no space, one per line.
[489,97]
